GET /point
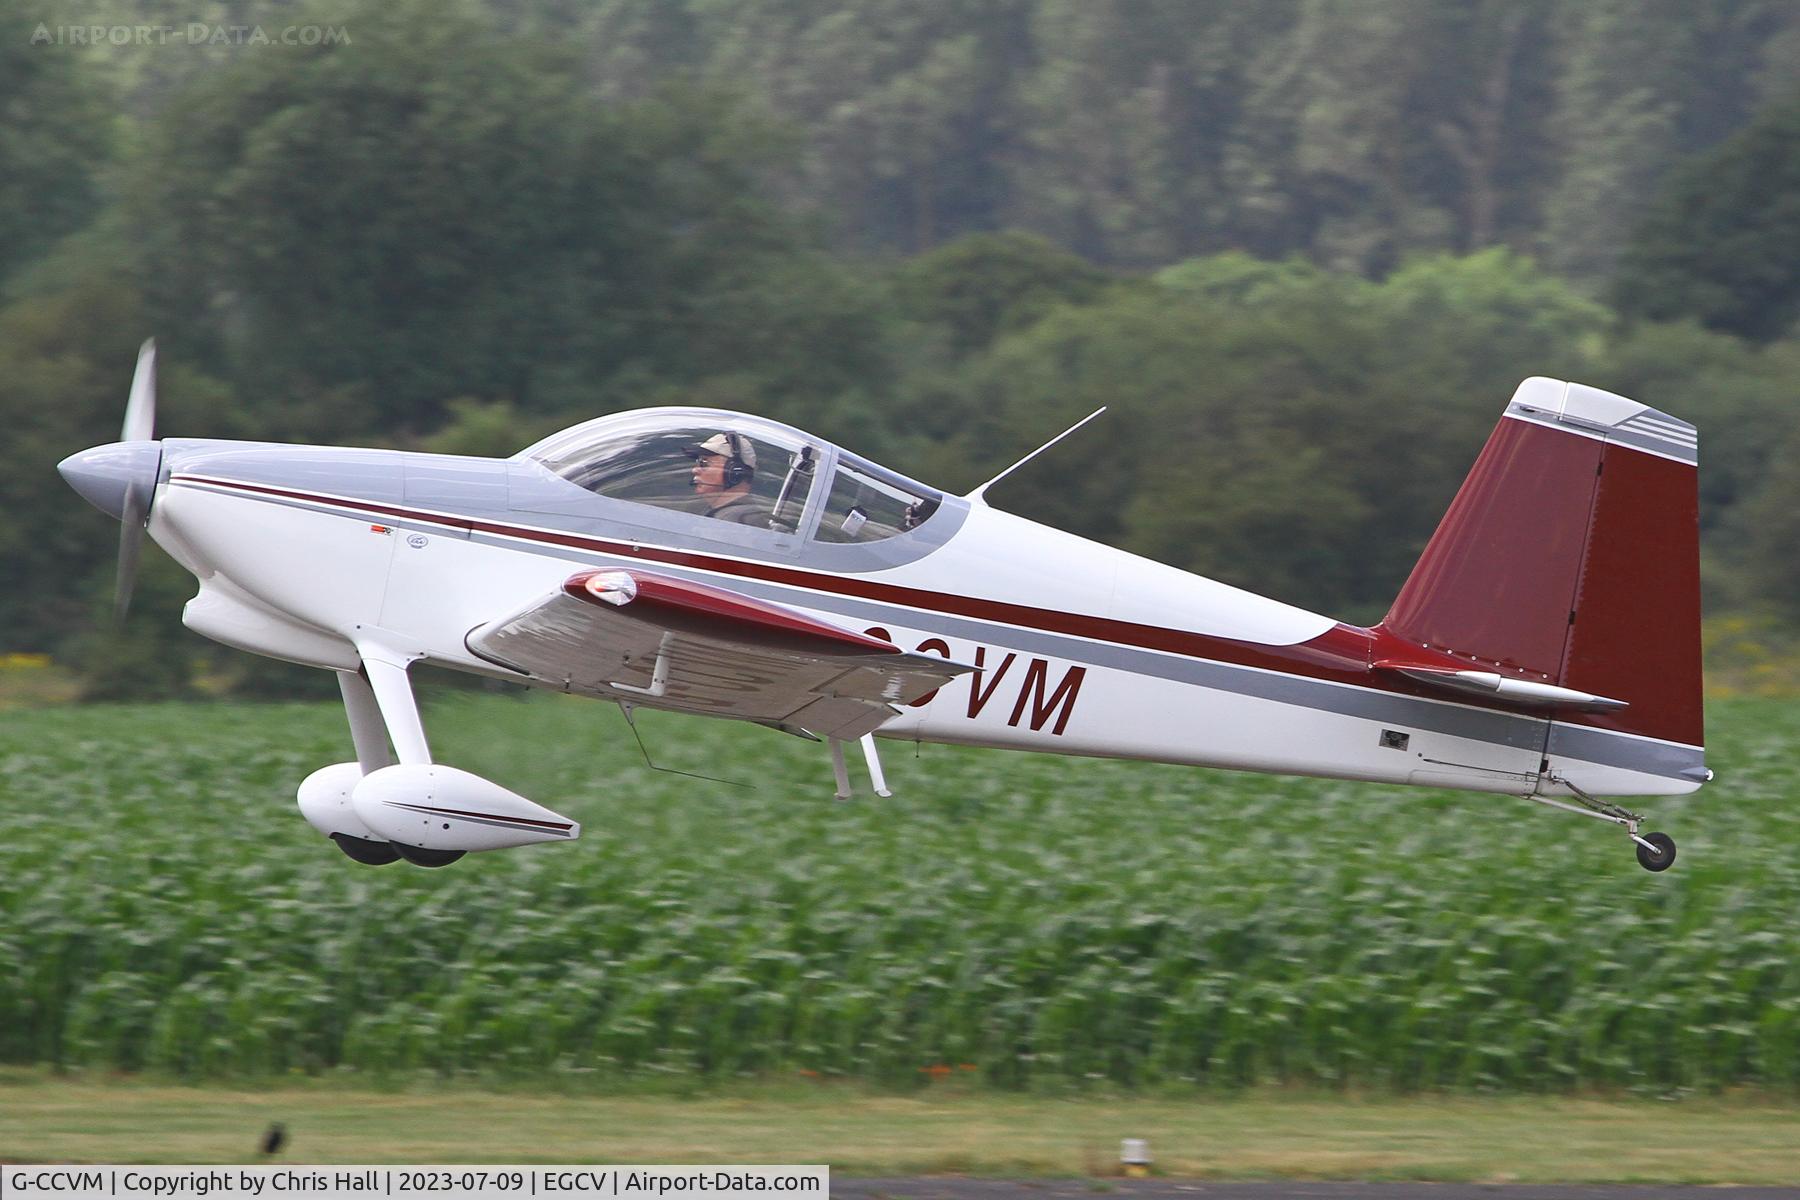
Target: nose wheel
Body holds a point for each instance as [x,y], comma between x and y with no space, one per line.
[421,856]
[367,852]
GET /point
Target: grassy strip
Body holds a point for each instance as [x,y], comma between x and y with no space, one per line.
[1263,1134]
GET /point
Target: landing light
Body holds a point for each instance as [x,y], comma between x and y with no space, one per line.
[614,587]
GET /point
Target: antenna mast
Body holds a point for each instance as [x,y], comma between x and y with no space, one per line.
[980,493]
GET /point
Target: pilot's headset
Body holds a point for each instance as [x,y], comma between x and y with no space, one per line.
[739,455]
[738,469]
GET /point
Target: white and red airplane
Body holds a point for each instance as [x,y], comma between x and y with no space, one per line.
[1546,645]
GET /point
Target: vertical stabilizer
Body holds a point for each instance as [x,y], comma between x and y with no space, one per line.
[1570,557]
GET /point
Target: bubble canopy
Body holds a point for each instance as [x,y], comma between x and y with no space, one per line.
[749,471]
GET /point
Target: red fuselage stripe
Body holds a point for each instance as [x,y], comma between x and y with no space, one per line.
[1341,654]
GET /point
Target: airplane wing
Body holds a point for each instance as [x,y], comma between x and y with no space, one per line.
[673,643]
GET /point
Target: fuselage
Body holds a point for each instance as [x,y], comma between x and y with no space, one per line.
[306,553]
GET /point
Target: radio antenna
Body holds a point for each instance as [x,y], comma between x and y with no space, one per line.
[980,492]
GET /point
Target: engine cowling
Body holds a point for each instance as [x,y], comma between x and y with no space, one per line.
[443,808]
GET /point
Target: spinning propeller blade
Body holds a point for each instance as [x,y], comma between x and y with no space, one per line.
[140,426]
[140,409]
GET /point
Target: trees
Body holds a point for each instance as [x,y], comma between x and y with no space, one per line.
[58,395]
[1722,241]
[1290,430]
[1411,127]
[905,108]
[1771,520]
[1644,84]
[1140,132]
[53,141]
[983,285]
[1268,235]
[432,211]
[417,214]
[1126,117]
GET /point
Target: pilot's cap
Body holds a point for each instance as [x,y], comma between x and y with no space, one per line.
[729,445]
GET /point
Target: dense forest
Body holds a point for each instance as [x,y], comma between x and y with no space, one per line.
[1304,249]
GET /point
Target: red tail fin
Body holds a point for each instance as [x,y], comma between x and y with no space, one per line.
[1571,556]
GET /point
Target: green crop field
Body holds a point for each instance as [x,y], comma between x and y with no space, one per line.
[1004,920]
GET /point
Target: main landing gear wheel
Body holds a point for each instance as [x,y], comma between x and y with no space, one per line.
[419,856]
[366,852]
[1655,851]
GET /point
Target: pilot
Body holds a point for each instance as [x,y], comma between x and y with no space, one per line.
[724,466]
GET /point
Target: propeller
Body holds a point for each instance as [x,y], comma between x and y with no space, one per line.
[140,426]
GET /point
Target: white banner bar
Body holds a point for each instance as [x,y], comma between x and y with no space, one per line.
[736,1182]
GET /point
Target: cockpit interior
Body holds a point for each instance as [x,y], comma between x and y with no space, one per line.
[754,472]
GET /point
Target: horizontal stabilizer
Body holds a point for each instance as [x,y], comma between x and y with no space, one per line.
[1502,687]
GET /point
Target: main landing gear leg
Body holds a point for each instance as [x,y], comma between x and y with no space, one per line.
[369,735]
[386,699]
[1655,851]
[394,696]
